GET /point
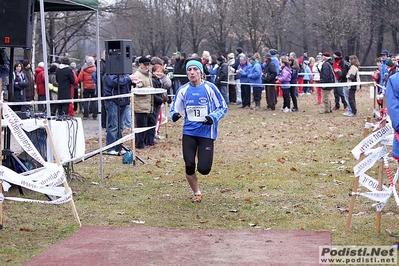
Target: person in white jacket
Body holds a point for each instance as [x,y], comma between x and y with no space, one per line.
[316,77]
[353,76]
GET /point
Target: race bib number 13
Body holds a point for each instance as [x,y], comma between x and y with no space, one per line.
[197,113]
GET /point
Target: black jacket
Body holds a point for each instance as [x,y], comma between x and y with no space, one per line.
[269,73]
[222,75]
[327,74]
[65,78]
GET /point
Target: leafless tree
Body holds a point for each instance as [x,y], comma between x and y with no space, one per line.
[158,27]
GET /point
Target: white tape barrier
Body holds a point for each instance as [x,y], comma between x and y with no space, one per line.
[139,91]
[376,195]
[372,140]
[370,183]
[45,180]
[136,91]
[374,156]
[319,85]
[118,142]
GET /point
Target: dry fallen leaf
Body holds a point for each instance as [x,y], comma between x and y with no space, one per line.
[138,222]
[24,229]
[359,214]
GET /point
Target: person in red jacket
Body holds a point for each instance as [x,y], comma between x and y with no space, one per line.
[89,88]
[340,76]
[40,85]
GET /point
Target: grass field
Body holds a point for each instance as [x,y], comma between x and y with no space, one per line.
[271,170]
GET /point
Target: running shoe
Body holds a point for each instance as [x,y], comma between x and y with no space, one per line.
[197,198]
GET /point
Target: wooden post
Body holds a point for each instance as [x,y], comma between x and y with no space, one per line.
[133,141]
[356,183]
[167,119]
[380,173]
[58,161]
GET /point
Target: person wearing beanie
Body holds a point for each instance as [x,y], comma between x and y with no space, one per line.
[243,71]
[222,78]
[316,78]
[116,108]
[203,107]
[30,90]
[307,76]
[326,76]
[338,53]
[239,53]
[353,76]
[340,76]
[391,68]
[179,72]
[383,69]
[213,68]
[283,56]
[66,79]
[53,88]
[392,104]
[76,95]
[40,86]
[231,85]
[255,79]
[305,56]
[273,52]
[143,104]
[89,88]
[268,78]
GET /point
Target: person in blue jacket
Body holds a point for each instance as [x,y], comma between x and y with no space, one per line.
[203,106]
[255,79]
[243,71]
[392,100]
[114,119]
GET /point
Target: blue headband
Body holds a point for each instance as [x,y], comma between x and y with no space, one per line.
[195,63]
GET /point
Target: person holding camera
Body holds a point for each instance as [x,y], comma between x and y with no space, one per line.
[203,106]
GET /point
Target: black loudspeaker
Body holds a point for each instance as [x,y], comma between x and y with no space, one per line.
[16,20]
[118,57]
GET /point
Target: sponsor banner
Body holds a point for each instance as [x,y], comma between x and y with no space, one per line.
[40,179]
[372,140]
[63,199]
[43,180]
[369,161]
[15,125]
[370,183]
[377,195]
